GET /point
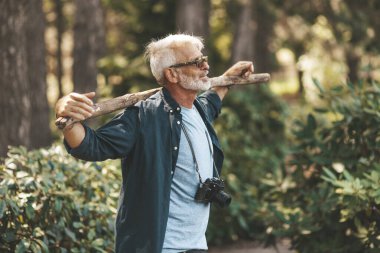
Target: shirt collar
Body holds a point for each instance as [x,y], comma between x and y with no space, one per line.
[170,105]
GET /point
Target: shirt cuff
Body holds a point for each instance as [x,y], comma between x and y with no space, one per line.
[82,146]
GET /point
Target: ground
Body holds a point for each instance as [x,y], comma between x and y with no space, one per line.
[252,247]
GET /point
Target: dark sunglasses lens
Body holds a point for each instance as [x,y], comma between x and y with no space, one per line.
[200,61]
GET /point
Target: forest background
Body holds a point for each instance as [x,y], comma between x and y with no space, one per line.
[302,152]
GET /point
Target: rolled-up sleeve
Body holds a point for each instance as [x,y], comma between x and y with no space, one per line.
[113,140]
[211,101]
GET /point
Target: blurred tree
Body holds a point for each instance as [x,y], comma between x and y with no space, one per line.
[265,15]
[354,25]
[59,23]
[131,25]
[35,48]
[244,34]
[89,44]
[192,17]
[23,105]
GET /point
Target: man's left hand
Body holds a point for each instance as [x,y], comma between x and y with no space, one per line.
[241,68]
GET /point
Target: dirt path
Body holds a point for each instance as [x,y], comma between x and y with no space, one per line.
[252,247]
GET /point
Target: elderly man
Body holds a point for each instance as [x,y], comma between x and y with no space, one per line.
[168,149]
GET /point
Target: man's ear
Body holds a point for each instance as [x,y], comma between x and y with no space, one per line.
[171,75]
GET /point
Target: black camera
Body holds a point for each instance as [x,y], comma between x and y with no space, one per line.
[212,191]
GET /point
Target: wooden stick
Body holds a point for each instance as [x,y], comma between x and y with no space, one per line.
[130,99]
[237,80]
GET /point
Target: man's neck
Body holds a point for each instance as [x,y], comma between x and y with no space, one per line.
[182,96]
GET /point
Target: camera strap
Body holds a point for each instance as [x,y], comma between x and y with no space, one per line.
[193,153]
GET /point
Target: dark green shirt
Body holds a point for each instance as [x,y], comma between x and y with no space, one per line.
[146,137]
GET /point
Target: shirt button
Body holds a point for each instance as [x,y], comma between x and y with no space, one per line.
[175,148]
[171,111]
[178,109]
[178,122]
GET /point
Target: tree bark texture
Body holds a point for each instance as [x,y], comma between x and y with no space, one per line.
[244,35]
[35,47]
[23,103]
[60,29]
[192,17]
[265,23]
[89,44]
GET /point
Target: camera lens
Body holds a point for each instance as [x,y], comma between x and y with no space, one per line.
[223,199]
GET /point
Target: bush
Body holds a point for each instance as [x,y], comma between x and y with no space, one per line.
[332,204]
[251,130]
[50,202]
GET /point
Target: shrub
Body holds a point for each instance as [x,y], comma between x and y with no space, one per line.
[334,172]
[251,130]
[50,202]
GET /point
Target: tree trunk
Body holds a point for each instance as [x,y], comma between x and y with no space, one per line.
[192,17]
[265,23]
[24,109]
[89,44]
[353,62]
[40,134]
[243,46]
[59,25]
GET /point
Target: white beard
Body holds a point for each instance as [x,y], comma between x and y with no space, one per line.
[189,83]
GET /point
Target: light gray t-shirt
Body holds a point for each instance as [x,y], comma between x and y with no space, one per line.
[187,222]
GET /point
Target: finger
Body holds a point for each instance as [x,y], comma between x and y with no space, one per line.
[80,111]
[81,98]
[245,72]
[75,106]
[249,69]
[75,116]
[90,95]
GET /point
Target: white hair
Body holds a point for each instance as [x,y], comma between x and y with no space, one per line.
[161,53]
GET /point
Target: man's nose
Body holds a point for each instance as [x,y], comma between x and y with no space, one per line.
[205,66]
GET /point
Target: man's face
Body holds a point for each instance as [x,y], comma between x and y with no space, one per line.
[192,77]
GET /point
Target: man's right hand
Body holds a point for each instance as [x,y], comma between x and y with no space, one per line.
[75,105]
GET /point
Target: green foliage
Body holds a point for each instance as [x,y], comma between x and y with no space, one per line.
[137,23]
[334,168]
[252,133]
[50,202]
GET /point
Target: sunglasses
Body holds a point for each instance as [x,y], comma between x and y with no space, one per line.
[197,62]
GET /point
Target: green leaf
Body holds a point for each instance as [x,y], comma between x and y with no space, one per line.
[58,205]
[38,232]
[330,175]
[321,110]
[29,212]
[35,247]
[243,223]
[311,122]
[351,86]
[98,242]
[347,175]
[3,190]
[337,88]
[3,207]
[78,225]
[42,245]
[21,247]
[70,234]
[91,234]
[9,236]
[318,85]
[15,208]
